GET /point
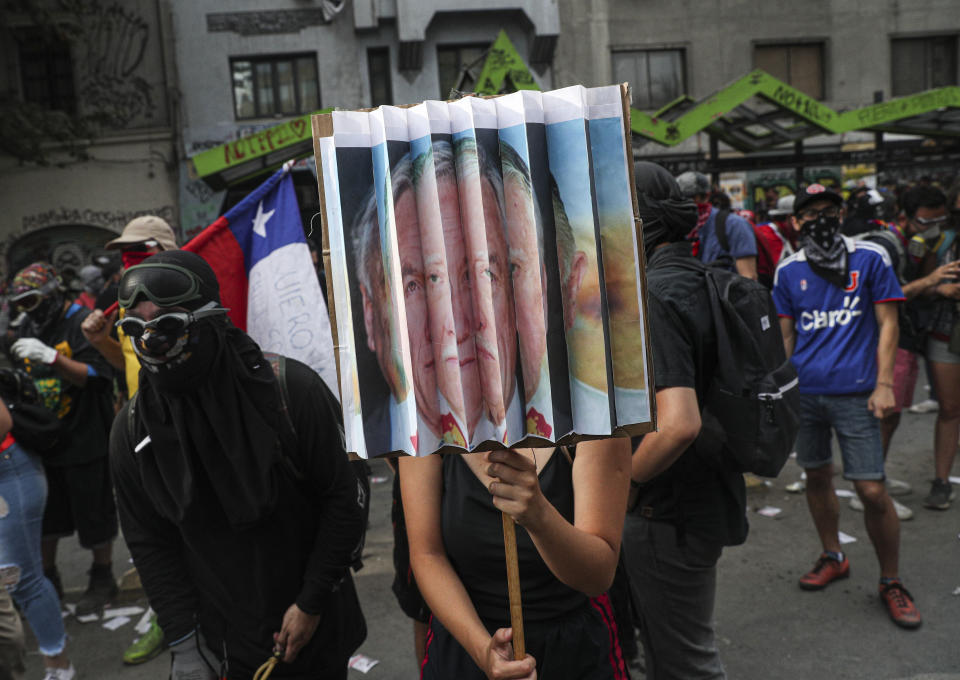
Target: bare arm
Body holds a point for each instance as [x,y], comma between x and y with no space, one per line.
[678,416]
[421,485]
[930,284]
[583,555]
[747,267]
[6,420]
[71,370]
[96,329]
[882,399]
[788,330]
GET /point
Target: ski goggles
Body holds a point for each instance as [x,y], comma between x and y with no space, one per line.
[172,324]
[165,285]
[29,300]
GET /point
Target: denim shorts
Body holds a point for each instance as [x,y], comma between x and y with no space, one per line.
[858,433]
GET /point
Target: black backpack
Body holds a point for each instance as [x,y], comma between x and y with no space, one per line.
[278,363]
[35,427]
[749,417]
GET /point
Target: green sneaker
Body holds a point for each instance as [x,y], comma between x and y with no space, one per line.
[146,646]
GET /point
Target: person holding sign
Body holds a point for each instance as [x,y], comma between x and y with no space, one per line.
[570,511]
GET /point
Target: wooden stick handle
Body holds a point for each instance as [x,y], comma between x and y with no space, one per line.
[513,585]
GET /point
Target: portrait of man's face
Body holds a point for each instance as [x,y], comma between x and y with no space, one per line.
[457,326]
[494,318]
[528,280]
[413,279]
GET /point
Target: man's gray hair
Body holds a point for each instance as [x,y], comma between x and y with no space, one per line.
[516,170]
[365,232]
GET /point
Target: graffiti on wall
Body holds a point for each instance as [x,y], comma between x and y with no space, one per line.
[108,219]
[111,42]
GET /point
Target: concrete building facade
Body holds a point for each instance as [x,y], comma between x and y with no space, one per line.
[106,65]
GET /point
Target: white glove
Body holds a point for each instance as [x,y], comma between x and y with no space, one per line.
[34,350]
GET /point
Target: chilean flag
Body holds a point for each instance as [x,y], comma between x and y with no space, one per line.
[266,274]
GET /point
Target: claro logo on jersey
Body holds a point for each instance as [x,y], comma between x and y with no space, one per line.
[818,319]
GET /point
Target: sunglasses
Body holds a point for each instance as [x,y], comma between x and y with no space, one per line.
[932,222]
[172,323]
[165,285]
[809,214]
[142,247]
[31,299]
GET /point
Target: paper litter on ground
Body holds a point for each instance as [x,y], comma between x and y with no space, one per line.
[769,511]
[87,618]
[845,493]
[122,611]
[956,591]
[846,538]
[955,480]
[116,622]
[376,479]
[362,663]
[72,608]
[143,625]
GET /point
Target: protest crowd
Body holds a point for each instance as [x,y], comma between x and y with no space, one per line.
[136,405]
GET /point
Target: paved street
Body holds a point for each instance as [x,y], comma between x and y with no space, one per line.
[768,627]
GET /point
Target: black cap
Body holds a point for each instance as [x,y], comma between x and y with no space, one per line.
[815,192]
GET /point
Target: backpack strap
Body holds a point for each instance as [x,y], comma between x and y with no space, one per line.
[132,418]
[278,363]
[721,230]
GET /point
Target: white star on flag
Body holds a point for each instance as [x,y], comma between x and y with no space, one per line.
[260,221]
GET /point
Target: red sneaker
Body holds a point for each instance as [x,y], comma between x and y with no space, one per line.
[826,569]
[899,604]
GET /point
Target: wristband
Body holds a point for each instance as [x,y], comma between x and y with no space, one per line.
[885,384]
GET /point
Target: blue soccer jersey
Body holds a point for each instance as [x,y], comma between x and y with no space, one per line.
[836,329]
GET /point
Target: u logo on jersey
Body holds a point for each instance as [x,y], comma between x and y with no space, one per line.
[854,281]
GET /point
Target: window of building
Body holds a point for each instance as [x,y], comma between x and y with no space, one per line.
[378,66]
[460,67]
[46,71]
[800,66]
[656,77]
[923,63]
[275,85]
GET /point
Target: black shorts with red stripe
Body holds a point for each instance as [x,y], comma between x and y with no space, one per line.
[580,645]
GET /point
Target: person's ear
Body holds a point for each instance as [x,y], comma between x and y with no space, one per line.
[903,222]
[795,222]
[572,288]
[369,323]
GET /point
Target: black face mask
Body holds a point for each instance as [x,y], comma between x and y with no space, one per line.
[174,364]
[46,315]
[822,231]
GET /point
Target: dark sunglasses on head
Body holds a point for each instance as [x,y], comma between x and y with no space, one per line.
[165,285]
[31,299]
[172,323]
[808,214]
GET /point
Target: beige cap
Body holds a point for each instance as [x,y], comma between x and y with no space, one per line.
[145,228]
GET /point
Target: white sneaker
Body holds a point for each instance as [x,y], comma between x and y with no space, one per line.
[925,406]
[60,673]
[903,512]
[897,487]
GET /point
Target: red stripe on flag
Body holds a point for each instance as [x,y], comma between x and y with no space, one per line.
[217,245]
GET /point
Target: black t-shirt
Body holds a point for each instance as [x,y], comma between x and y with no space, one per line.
[477,554]
[86,412]
[694,495]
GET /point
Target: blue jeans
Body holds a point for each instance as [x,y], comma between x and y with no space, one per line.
[858,433]
[23,494]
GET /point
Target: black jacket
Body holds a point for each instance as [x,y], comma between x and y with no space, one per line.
[236,585]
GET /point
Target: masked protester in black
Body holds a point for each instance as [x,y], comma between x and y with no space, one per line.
[241,526]
[683,508]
